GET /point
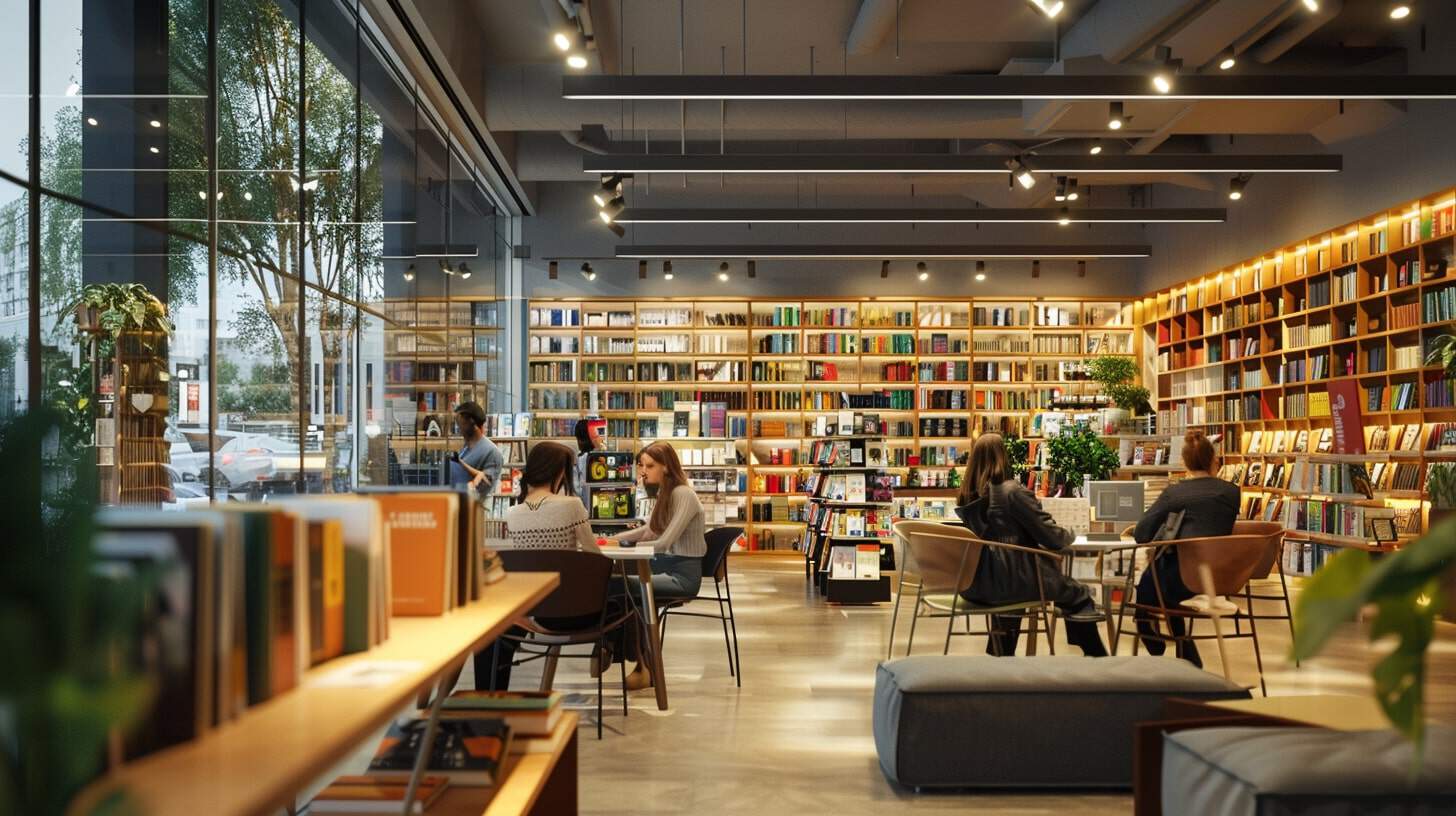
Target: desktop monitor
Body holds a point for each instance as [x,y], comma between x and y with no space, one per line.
[1117,503]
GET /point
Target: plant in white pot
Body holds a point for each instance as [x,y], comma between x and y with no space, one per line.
[1118,375]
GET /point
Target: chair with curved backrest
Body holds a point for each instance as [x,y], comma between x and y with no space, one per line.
[1232,561]
[1273,532]
[945,558]
[586,581]
[715,563]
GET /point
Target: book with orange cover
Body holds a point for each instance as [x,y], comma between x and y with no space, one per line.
[423,542]
[325,590]
[366,794]
[284,623]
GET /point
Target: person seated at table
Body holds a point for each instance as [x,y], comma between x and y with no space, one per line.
[996,508]
[1209,506]
[675,531]
[547,515]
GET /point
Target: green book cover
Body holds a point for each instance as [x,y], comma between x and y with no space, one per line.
[356,600]
[501,700]
[257,590]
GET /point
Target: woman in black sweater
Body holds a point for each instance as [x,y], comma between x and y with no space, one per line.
[1209,506]
[996,508]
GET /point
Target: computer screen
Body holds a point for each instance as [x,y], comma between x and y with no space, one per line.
[1116,501]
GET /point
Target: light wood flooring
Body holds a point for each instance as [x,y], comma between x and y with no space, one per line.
[795,739]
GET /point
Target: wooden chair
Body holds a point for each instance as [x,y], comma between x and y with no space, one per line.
[1273,532]
[1232,560]
[944,559]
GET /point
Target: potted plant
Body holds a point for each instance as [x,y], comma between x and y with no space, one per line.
[1406,590]
[1117,375]
[1441,487]
[1077,454]
[1017,450]
[111,308]
[1441,351]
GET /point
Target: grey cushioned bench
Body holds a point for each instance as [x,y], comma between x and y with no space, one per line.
[1284,771]
[959,722]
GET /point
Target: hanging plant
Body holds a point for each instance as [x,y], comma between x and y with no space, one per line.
[1077,453]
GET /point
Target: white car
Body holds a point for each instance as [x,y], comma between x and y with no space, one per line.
[251,458]
[188,463]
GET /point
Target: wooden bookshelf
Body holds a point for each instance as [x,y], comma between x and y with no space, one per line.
[793,360]
[540,778]
[259,762]
[1255,346]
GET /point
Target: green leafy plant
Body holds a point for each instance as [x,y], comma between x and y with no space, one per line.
[118,307]
[63,628]
[1441,486]
[1117,376]
[1406,591]
[1441,350]
[1016,454]
[1078,452]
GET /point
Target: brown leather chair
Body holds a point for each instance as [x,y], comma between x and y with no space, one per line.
[944,559]
[1273,532]
[1232,560]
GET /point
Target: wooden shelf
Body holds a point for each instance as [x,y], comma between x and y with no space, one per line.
[260,761]
[528,773]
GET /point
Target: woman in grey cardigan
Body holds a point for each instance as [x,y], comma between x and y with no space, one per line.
[996,508]
[675,530]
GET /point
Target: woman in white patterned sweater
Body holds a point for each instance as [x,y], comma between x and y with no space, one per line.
[547,516]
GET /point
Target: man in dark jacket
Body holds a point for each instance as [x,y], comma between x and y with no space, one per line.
[1010,514]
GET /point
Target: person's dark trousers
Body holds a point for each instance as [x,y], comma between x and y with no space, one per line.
[1006,632]
[1174,593]
[503,650]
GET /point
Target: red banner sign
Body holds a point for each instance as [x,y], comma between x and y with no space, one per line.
[1345,408]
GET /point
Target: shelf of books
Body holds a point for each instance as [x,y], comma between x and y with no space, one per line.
[762,375]
[1252,352]
[438,353]
[850,501]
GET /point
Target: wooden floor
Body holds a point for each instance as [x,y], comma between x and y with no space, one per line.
[795,739]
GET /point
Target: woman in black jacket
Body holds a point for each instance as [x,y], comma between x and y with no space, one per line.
[1208,506]
[996,508]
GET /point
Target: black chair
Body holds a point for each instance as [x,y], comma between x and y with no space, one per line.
[715,563]
[584,591]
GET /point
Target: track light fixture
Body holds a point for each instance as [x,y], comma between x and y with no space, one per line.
[923,272]
[1096,147]
[1072,193]
[641,270]
[1036,269]
[445,267]
[1051,8]
[409,273]
[884,269]
[1236,187]
[980,271]
[1021,171]
[1061,194]
[667,270]
[1166,71]
[723,271]
[753,269]
[611,188]
[1227,59]
[1399,11]
[562,41]
[617,230]
[612,209]
[1115,118]
[551,270]
[464,271]
[587,272]
[1081,269]
[1064,217]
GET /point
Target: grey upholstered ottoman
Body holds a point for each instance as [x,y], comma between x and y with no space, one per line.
[1280,771]
[959,722]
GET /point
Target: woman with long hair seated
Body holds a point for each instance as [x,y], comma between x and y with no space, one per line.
[547,515]
[1201,505]
[995,508]
[675,531]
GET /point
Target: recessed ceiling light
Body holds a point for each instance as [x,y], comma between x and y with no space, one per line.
[562,42]
[1400,12]
[576,61]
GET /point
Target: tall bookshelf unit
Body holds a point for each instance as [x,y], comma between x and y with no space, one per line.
[438,353]
[937,372]
[1253,349]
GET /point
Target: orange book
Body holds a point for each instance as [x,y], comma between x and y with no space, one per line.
[422,546]
[325,589]
[284,664]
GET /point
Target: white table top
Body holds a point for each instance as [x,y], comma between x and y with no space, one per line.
[641,552]
[1081,544]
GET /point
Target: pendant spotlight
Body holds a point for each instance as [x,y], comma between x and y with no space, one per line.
[464,271]
[1072,194]
[980,271]
[612,209]
[1115,118]
[409,273]
[667,270]
[551,270]
[1036,269]
[723,271]
[611,188]
[753,269]
[1021,171]
[587,272]
[562,41]
[1081,269]
[641,270]
[1064,217]
[1096,147]
[1236,187]
[884,269]
[1061,194]
[576,62]
[923,271]
[1167,69]
[1227,59]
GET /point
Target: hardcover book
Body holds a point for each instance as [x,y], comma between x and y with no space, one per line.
[466,751]
[367,794]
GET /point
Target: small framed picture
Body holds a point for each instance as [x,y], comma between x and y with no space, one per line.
[1382,530]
